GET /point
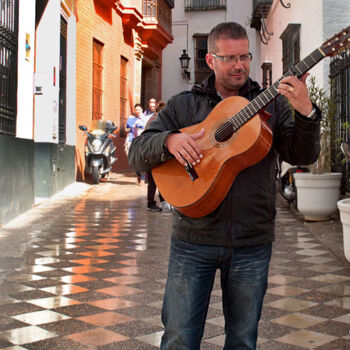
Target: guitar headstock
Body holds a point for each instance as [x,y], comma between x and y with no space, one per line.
[337,43]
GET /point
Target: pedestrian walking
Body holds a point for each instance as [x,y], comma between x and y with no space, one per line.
[151,110]
[236,237]
[135,124]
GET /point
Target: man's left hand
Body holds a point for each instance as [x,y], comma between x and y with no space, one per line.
[295,91]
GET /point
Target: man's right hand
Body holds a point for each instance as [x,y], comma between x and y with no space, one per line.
[184,147]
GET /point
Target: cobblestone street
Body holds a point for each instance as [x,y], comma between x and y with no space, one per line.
[88,270]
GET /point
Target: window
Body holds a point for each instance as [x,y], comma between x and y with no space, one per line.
[267,74]
[123,89]
[200,65]
[204,5]
[97,80]
[290,46]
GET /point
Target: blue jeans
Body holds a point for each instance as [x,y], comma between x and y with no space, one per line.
[191,273]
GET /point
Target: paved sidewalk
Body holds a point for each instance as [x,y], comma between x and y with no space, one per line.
[87,271]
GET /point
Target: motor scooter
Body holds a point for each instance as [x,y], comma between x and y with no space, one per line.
[286,182]
[99,149]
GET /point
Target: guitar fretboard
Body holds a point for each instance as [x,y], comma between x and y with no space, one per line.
[261,101]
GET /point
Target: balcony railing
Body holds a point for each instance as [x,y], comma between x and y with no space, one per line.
[204,5]
[261,8]
[158,11]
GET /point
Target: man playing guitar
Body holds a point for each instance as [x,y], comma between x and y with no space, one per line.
[236,237]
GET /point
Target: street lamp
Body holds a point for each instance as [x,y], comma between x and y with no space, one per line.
[184,61]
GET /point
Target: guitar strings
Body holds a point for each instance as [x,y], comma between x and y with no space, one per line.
[225,130]
[229,127]
[232,124]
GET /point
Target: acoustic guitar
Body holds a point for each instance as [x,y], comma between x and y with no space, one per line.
[236,136]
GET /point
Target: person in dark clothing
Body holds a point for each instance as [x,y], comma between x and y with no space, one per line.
[237,236]
[151,110]
[152,187]
[151,192]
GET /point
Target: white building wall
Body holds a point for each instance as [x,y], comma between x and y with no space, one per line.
[71,82]
[319,19]
[307,13]
[26,30]
[185,25]
[47,74]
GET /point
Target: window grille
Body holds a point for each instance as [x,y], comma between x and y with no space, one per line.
[204,5]
[290,46]
[8,66]
[63,83]
[200,65]
[340,91]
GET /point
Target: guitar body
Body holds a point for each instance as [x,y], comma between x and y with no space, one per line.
[198,191]
[224,156]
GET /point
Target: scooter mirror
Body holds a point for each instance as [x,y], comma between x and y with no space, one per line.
[82,127]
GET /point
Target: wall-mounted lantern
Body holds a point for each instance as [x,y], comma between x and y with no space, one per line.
[184,61]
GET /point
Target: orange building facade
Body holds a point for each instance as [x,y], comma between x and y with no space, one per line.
[119,63]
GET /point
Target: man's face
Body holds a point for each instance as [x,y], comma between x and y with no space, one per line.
[152,105]
[230,76]
[138,111]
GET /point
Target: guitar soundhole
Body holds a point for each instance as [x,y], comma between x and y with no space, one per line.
[224,132]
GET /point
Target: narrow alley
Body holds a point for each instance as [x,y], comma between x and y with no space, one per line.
[87,270]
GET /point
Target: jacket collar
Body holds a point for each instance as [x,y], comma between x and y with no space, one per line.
[208,87]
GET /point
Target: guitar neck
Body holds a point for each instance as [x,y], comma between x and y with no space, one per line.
[268,95]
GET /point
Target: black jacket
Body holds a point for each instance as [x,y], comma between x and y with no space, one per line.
[247,214]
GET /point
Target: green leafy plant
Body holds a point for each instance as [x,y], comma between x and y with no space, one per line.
[327,105]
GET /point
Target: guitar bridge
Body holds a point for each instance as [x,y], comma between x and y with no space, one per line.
[191,171]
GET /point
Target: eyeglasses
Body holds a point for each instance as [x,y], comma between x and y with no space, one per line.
[243,58]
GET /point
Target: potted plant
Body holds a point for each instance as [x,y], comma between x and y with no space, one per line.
[318,191]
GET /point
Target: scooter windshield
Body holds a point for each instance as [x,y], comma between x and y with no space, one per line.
[99,127]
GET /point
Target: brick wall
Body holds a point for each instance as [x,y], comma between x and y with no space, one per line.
[97,20]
